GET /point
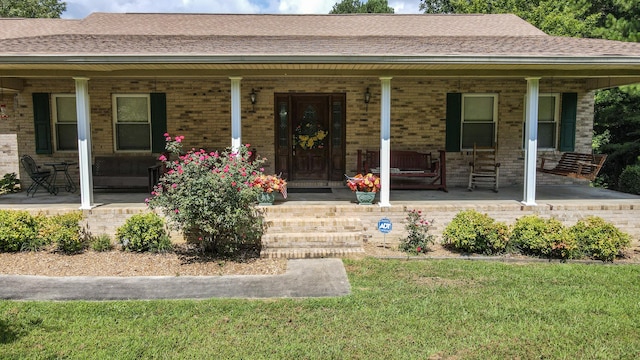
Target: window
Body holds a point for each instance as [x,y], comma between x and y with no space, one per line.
[548,119]
[132,122]
[65,122]
[479,114]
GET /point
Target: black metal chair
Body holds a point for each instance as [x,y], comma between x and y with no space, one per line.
[39,177]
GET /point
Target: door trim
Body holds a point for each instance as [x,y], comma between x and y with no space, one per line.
[283,134]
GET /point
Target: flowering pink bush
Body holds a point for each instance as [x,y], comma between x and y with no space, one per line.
[418,238]
[209,196]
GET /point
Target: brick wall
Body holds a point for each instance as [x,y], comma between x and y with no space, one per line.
[8,139]
[199,109]
[8,154]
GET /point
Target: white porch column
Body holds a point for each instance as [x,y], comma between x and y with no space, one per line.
[385,141]
[84,142]
[531,141]
[236,115]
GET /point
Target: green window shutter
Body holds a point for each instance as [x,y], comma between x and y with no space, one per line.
[568,121]
[42,123]
[454,119]
[158,121]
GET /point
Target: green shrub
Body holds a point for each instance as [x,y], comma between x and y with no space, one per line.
[629,180]
[65,232]
[9,183]
[599,239]
[535,236]
[101,243]
[18,230]
[162,245]
[471,231]
[208,195]
[418,238]
[142,232]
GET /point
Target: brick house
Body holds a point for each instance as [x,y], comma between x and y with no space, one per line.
[115,83]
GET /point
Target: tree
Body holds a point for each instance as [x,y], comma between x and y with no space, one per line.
[621,20]
[616,125]
[437,6]
[32,8]
[578,18]
[355,6]
[377,7]
[346,7]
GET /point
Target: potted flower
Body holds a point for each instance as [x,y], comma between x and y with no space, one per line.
[269,184]
[365,187]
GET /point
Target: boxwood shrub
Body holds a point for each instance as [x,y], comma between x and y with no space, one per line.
[471,231]
[536,236]
[598,239]
[65,232]
[144,232]
[629,180]
[19,230]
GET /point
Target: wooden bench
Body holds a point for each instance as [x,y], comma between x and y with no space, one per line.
[576,165]
[410,165]
[126,172]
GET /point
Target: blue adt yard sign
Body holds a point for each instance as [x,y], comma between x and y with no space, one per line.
[385,226]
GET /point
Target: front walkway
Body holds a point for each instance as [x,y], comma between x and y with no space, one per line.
[304,278]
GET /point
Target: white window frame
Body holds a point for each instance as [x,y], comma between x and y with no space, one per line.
[54,117]
[494,120]
[114,102]
[556,120]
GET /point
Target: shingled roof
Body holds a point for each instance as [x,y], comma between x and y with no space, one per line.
[353,25]
[384,40]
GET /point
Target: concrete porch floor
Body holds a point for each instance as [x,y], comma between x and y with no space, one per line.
[339,196]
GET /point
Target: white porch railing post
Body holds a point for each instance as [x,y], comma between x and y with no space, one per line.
[236,115]
[84,142]
[385,141]
[531,141]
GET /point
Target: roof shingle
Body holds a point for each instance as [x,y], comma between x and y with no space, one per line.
[274,25]
[351,35]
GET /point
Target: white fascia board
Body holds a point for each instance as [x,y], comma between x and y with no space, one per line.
[320,59]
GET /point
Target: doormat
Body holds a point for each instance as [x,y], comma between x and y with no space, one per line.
[309,190]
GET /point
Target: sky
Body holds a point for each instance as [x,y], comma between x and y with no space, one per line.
[77,9]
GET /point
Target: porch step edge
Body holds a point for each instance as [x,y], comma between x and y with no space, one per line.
[312,237]
[313,225]
[303,253]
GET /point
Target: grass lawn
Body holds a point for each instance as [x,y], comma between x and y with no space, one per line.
[397,310]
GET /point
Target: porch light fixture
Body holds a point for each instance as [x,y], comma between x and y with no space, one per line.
[253,98]
[367,98]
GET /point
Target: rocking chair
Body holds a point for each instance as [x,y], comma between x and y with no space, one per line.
[39,178]
[484,168]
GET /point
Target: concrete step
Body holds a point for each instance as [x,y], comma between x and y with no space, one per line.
[289,224]
[312,240]
[306,234]
[302,253]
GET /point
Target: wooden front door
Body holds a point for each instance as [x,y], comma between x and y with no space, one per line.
[310,136]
